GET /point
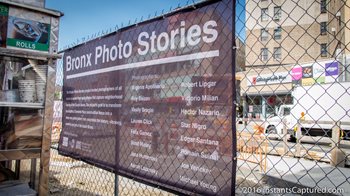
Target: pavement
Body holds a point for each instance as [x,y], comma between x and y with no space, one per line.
[309,173]
[313,171]
[288,172]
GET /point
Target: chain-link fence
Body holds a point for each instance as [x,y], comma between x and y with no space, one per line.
[292,105]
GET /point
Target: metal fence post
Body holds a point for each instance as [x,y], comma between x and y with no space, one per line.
[337,156]
[32,173]
[285,133]
[298,137]
[116,184]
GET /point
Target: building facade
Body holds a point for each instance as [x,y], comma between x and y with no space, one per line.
[282,34]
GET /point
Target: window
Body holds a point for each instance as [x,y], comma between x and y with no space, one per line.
[277,13]
[323,6]
[264,14]
[277,53]
[277,33]
[264,54]
[323,28]
[286,111]
[323,50]
[264,35]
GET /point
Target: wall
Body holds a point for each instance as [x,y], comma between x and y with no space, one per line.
[300,23]
[37,3]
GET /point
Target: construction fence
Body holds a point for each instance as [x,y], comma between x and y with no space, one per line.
[290,102]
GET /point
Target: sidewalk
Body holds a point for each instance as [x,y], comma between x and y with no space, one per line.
[286,171]
[309,173]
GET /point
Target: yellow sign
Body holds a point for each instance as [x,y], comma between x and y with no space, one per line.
[307,81]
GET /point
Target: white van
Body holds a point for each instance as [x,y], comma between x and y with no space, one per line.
[321,106]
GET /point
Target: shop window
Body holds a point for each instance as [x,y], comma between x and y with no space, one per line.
[254,106]
[254,100]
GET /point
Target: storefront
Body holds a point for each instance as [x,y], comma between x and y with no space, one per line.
[264,90]
[263,106]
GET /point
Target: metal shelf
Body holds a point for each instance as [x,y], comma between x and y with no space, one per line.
[22,105]
[23,53]
[18,154]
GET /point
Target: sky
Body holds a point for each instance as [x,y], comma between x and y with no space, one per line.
[84,18]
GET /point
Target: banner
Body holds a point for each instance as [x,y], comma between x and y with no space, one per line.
[4,10]
[154,101]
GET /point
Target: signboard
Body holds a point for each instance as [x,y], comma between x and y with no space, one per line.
[317,72]
[28,34]
[332,69]
[297,73]
[307,81]
[4,10]
[154,101]
[307,72]
[273,78]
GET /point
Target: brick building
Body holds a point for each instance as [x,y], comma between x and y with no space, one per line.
[281,34]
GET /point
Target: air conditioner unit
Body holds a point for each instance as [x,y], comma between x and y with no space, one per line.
[276,17]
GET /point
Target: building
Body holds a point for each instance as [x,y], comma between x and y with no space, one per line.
[340,28]
[282,34]
[240,55]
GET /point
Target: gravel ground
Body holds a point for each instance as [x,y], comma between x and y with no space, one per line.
[70,177]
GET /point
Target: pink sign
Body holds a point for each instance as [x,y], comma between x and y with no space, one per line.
[297,73]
